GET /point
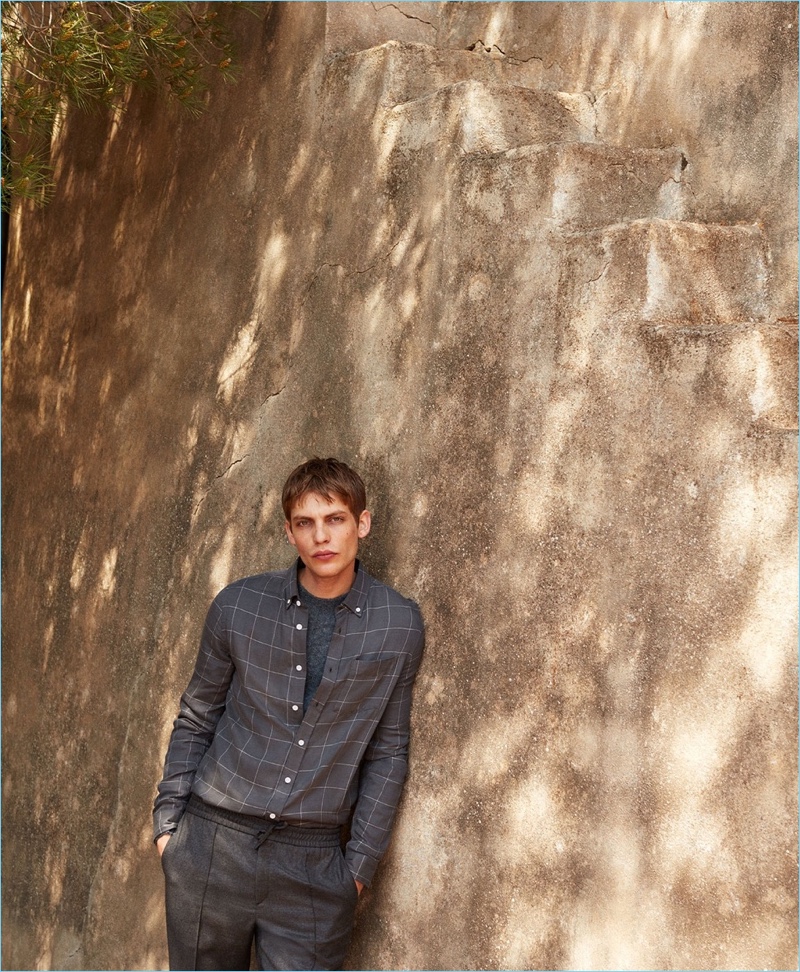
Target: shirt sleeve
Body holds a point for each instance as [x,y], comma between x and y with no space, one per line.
[201,707]
[383,771]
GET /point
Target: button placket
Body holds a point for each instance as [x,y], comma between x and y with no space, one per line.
[297,678]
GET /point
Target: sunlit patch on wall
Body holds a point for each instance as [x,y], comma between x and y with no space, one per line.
[610,930]
[47,641]
[79,562]
[750,367]
[768,642]
[534,495]
[491,747]
[530,825]
[693,845]
[238,359]
[697,753]
[107,580]
[270,504]
[419,504]
[220,568]
[55,865]
[26,315]
[752,512]
[117,113]
[658,282]
[431,846]
[430,689]
[408,302]
[273,262]
[374,308]
[525,931]
[298,167]
[400,248]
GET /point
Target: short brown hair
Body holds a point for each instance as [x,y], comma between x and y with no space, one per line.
[328,478]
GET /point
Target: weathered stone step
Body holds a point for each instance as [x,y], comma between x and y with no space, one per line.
[481,116]
[397,72]
[573,186]
[665,272]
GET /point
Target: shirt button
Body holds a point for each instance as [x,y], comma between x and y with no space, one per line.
[295,708]
[272,816]
[299,627]
[288,779]
[358,610]
[301,742]
[299,668]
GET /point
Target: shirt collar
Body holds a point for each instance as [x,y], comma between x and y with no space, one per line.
[356,600]
[291,592]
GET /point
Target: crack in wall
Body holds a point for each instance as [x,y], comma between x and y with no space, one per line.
[591,97]
[679,181]
[350,273]
[628,171]
[592,280]
[512,58]
[274,394]
[394,6]
[216,478]
[245,364]
[230,466]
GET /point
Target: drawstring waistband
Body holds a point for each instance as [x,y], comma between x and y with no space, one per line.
[262,829]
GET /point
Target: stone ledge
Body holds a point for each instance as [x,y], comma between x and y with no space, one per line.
[397,71]
[486,116]
[673,273]
[574,186]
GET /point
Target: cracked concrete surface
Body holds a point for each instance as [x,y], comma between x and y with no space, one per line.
[404,13]
[216,480]
[549,309]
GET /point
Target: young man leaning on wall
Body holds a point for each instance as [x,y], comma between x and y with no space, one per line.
[294,724]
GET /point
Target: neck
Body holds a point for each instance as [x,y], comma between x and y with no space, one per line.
[323,586]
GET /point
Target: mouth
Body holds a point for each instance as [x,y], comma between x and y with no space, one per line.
[324,555]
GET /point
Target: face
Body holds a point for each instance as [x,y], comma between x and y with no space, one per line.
[326,536]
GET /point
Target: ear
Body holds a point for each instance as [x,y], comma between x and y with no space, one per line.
[364,523]
[289,535]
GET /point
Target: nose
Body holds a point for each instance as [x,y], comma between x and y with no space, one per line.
[321,532]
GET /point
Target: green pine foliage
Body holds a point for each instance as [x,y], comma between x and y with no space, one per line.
[86,55]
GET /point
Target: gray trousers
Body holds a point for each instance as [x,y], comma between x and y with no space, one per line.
[230,882]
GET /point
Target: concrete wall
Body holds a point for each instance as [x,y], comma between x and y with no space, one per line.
[532,268]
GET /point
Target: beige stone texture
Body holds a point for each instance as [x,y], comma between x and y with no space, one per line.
[532,268]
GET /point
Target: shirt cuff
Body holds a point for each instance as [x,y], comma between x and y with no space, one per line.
[362,867]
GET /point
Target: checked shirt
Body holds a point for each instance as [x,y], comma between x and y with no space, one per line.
[241,741]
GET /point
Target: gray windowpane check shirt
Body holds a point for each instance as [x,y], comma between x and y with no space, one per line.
[241,741]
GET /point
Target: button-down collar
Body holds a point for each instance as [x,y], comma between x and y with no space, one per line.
[355,602]
[291,590]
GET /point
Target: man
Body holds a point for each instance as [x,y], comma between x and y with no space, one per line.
[294,724]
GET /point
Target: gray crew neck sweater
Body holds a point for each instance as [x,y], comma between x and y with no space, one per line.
[321,622]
